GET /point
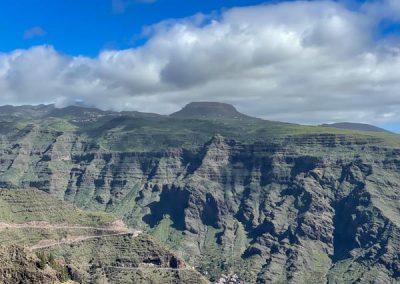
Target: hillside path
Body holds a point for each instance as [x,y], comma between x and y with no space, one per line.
[114,229]
[76,239]
[47,225]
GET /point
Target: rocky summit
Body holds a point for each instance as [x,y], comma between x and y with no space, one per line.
[205,194]
[209,110]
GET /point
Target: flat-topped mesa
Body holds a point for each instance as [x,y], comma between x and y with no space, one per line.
[209,110]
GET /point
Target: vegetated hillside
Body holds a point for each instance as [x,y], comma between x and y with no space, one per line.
[356,126]
[28,217]
[20,206]
[46,240]
[124,259]
[19,266]
[269,201]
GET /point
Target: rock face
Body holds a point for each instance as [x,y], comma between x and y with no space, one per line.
[18,267]
[270,203]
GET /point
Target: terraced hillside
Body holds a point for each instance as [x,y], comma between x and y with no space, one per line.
[272,202]
[124,259]
[30,217]
[35,228]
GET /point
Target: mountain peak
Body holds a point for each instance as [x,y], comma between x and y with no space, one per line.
[209,110]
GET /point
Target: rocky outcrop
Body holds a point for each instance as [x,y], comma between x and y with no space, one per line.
[17,266]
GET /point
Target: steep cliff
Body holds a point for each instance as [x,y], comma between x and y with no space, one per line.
[269,201]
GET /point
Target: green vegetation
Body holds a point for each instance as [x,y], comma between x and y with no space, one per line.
[20,266]
[122,258]
[269,201]
[28,205]
[29,216]
[49,260]
[160,133]
[211,260]
[167,234]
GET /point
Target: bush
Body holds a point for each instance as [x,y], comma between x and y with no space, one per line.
[44,260]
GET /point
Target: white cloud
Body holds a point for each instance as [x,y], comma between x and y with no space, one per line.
[34,32]
[120,6]
[301,61]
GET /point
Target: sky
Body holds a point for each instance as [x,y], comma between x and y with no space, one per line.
[306,62]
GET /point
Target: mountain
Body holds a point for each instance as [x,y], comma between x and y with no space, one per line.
[267,201]
[26,111]
[356,126]
[209,110]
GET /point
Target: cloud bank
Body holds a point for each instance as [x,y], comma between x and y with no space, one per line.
[306,62]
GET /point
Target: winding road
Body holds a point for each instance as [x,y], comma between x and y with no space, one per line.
[114,229]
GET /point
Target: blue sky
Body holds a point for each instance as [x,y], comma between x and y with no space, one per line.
[298,61]
[392,127]
[85,27]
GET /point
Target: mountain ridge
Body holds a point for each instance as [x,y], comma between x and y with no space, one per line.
[356,126]
[195,110]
